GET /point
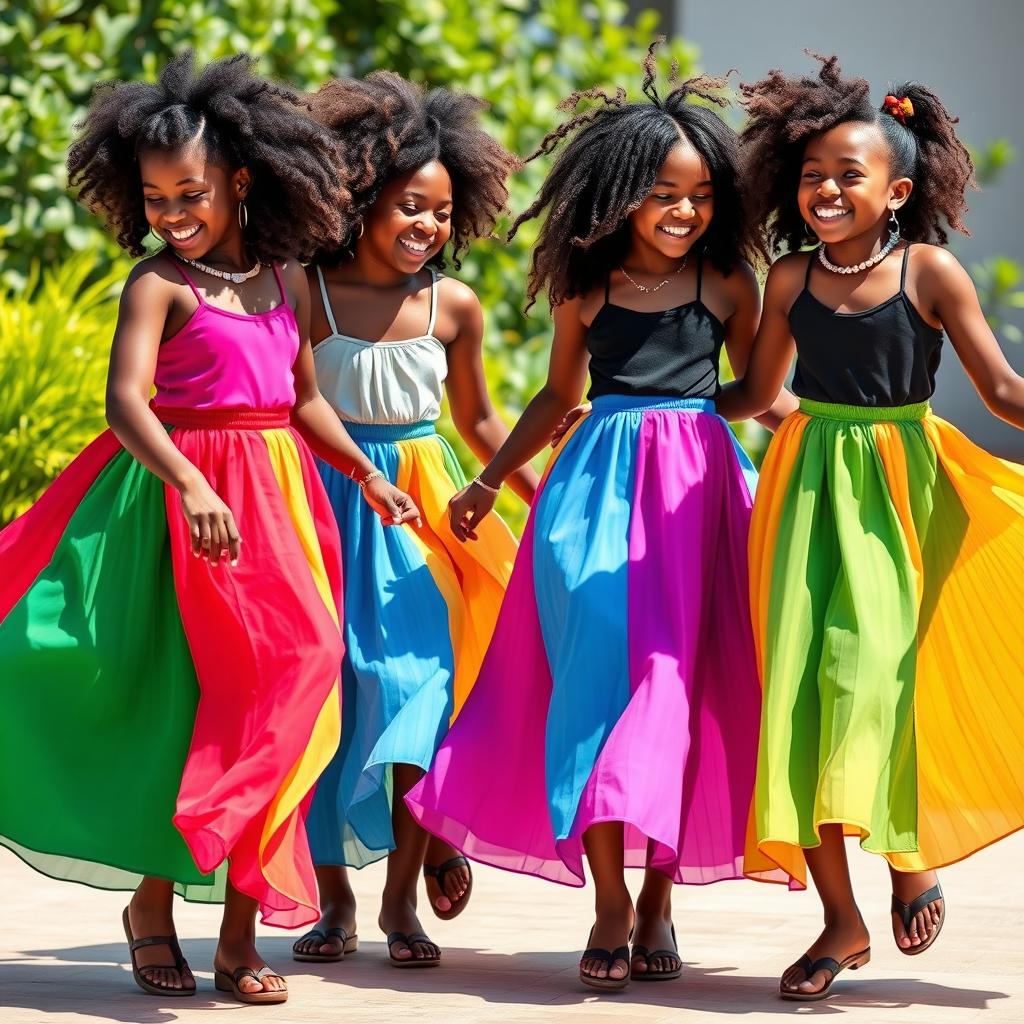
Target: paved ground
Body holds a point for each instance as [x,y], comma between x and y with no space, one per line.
[512,959]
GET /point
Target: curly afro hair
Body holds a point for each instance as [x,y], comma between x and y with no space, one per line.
[242,121]
[785,113]
[388,127]
[608,169]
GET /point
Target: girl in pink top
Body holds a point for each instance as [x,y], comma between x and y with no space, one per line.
[169,609]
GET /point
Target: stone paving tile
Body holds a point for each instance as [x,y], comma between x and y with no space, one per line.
[512,958]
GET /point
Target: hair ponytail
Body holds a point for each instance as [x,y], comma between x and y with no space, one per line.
[922,138]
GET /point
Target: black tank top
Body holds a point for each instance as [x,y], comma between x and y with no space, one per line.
[668,353]
[883,356]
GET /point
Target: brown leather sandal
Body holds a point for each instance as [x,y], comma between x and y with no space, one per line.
[349,944]
[410,940]
[225,982]
[648,956]
[607,957]
[825,963]
[906,912]
[440,873]
[171,942]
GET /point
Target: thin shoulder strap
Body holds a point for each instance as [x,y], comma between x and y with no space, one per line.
[188,280]
[326,301]
[433,302]
[280,283]
[607,286]
[700,272]
[903,269]
[811,257]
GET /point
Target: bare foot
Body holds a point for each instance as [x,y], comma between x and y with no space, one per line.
[456,880]
[156,963]
[241,952]
[839,940]
[400,916]
[906,887]
[611,929]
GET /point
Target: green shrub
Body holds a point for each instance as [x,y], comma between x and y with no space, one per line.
[52,52]
[54,342]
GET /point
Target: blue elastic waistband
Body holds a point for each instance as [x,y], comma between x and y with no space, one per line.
[389,431]
[645,403]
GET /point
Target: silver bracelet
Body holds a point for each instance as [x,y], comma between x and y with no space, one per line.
[486,487]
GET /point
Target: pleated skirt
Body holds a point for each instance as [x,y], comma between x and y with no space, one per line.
[420,610]
[887,585]
[162,716]
[620,685]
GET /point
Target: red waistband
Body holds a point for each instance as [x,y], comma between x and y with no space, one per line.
[223,419]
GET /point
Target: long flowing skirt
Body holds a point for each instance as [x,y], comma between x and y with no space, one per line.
[421,607]
[621,682]
[887,584]
[161,715]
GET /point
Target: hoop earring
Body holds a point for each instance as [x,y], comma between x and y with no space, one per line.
[350,242]
[810,238]
[155,235]
[893,223]
[243,215]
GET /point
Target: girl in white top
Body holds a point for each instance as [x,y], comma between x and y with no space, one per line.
[390,333]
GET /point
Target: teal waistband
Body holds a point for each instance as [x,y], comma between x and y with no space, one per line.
[389,431]
[644,403]
[864,413]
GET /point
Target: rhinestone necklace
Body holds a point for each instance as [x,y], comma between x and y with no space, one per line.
[234,278]
[893,239]
[660,284]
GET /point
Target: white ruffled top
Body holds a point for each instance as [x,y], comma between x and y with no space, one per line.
[382,381]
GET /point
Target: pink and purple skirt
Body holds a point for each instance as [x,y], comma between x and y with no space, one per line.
[621,682]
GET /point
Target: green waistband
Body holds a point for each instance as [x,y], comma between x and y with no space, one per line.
[864,413]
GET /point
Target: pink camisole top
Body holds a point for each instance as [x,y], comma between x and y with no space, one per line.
[226,360]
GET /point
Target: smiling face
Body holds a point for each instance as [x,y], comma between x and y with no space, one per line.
[678,209]
[411,219]
[191,203]
[846,186]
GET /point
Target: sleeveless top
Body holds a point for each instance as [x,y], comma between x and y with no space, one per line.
[883,356]
[668,353]
[226,360]
[382,381]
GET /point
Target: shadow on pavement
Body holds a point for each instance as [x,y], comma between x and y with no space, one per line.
[93,981]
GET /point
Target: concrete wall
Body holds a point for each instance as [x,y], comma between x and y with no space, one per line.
[969,51]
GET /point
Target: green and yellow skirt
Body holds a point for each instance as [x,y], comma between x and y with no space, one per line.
[887,590]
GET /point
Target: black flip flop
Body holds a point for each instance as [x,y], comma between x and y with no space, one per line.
[171,942]
[440,873]
[648,956]
[349,944]
[607,957]
[908,911]
[825,963]
[225,982]
[410,940]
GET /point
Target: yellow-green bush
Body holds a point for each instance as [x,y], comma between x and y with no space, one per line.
[54,340]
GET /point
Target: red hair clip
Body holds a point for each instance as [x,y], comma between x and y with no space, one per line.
[900,107]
